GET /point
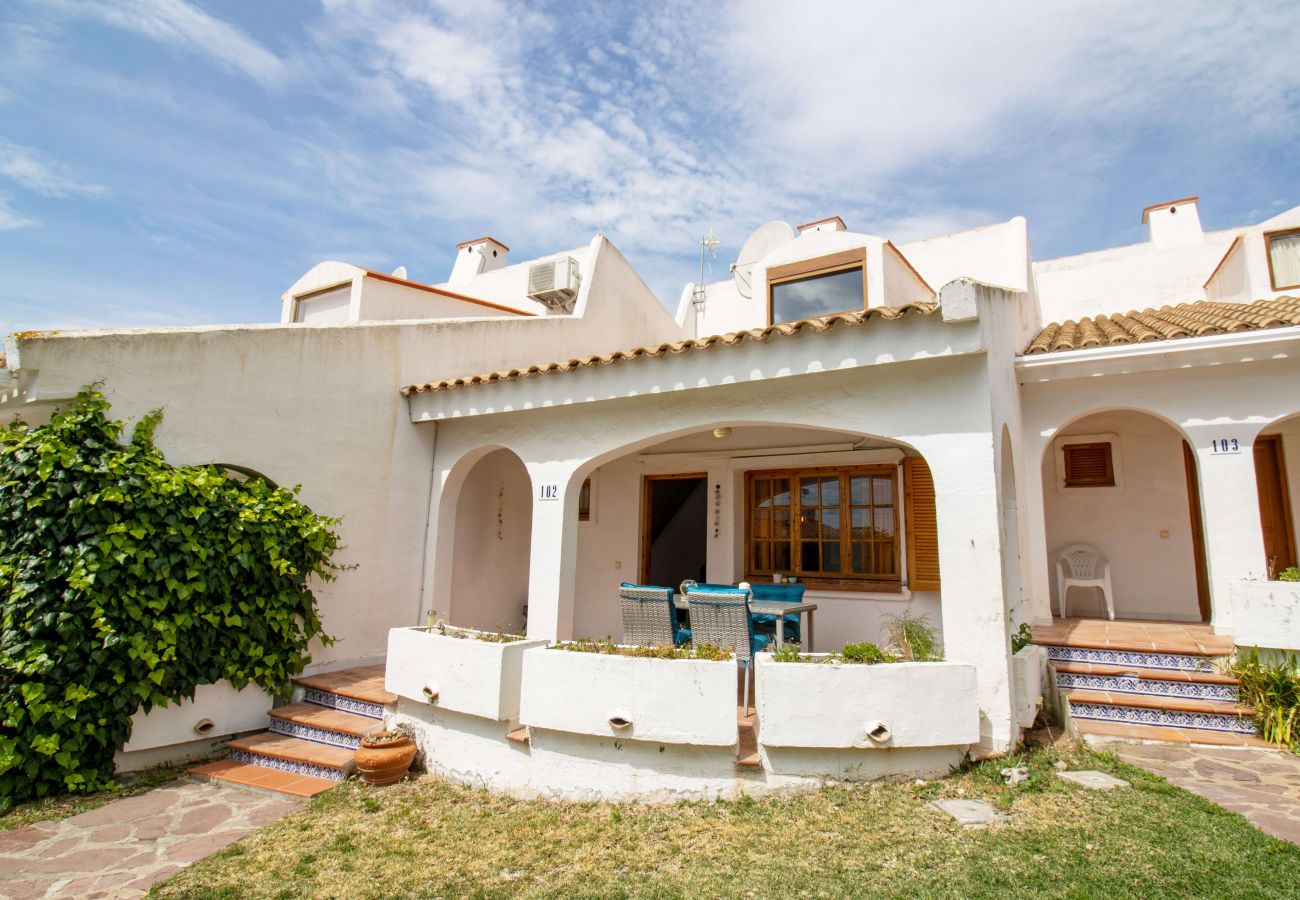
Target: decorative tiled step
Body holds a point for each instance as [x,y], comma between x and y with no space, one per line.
[263,778]
[320,724]
[1148,682]
[293,755]
[358,690]
[1099,732]
[347,704]
[1161,712]
[1132,659]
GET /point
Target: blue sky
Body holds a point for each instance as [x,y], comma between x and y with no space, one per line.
[176,162]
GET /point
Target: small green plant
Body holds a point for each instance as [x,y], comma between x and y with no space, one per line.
[865,653]
[1022,638]
[1289,574]
[607,646]
[500,636]
[786,653]
[1271,684]
[912,637]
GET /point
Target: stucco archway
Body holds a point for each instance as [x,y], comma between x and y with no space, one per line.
[491,521]
[1276,451]
[1124,481]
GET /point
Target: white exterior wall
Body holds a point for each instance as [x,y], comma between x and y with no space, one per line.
[993,254]
[383,301]
[1232,279]
[509,285]
[1142,525]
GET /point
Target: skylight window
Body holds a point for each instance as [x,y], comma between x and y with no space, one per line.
[817,287]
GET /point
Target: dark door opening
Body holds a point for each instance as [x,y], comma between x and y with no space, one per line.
[674,529]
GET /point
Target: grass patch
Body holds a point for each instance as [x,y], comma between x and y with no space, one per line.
[430,838]
[48,809]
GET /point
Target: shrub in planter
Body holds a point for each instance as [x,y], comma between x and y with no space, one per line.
[1289,574]
[1271,684]
[125,583]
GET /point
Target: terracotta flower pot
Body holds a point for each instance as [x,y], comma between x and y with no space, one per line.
[383,758]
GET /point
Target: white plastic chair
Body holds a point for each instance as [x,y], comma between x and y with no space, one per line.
[1080,565]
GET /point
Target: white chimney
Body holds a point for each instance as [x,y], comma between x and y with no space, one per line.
[476,257]
[834,223]
[1173,224]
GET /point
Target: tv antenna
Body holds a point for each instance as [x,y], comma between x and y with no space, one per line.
[708,244]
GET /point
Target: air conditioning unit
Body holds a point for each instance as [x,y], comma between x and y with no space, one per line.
[554,283]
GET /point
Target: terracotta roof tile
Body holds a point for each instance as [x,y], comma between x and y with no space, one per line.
[755,335]
[1166,323]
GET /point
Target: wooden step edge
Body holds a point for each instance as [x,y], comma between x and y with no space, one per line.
[309,714]
[518,735]
[1149,701]
[325,756]
[1106,669]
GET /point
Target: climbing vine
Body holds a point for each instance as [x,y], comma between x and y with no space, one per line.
[125,583]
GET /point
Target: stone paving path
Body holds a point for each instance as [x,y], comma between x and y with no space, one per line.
[123,847]
[1262,785]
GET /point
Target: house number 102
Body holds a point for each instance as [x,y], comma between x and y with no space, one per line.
[548,492]
[1225,445]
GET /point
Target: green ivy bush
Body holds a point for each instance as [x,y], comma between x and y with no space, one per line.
[125,583]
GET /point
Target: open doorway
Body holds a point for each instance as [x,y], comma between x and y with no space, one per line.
[674,528]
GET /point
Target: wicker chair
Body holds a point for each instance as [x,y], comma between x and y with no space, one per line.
[649,616]
[720,616]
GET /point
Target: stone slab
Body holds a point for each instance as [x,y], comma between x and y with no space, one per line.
[969,813]
[1094,781]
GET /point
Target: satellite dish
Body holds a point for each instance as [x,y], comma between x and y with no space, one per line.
[400,272]
[759,244]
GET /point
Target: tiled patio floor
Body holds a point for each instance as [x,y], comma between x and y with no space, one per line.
[1131,634]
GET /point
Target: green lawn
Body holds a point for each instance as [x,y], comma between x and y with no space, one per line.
[428,838]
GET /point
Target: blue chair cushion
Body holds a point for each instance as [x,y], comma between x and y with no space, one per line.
[760,642]
[782,593]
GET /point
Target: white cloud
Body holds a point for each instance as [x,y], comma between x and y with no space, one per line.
[11,219]
[24,167]
[189,28]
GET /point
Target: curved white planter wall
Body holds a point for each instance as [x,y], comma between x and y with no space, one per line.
[1266,614]
[818,705]
[462,674]
[673,701]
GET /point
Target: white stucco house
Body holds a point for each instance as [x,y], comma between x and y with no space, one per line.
[921,426]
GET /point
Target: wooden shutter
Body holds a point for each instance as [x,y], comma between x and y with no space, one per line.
[1089,465]
[922,526]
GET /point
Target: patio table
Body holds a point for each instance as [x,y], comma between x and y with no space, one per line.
[773,608]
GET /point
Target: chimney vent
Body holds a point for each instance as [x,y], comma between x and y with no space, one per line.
[475,257]
[1176,223]
[834,223]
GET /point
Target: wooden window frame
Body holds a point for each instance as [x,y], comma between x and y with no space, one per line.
[842,581]
[844,261]
[1088,483]
[1268,255]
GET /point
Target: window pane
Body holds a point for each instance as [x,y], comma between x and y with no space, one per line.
[762,556]
[781,558]
[762,492]
[861,521]
[781,523]
[817,296]
[780,491]
[830,492]
[808,524]
[861,558]
[762,523]
[883,491]
[860,490]
[808,492]
[808,561]
[884,522]
[830,557]
[1284,252]
[885,561]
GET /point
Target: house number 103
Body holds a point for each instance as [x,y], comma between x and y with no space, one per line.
[1225,445]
